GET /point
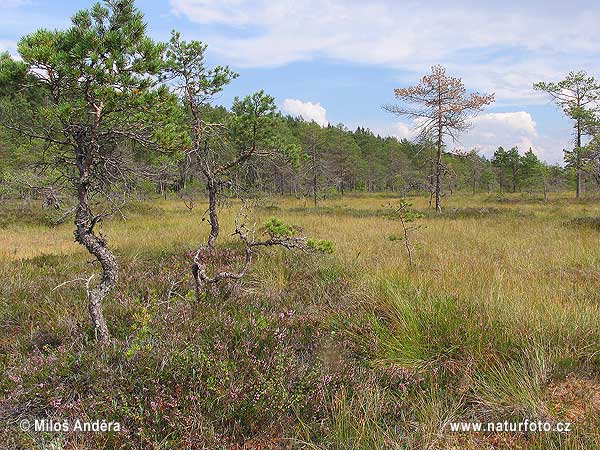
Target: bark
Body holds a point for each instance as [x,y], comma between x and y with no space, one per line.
[438,173]
[212,187]
[545,192]
[438,168]
[183,176]
[95,245]
[314,180]
[578,188]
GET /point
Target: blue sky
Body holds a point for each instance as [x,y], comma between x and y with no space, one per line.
[339,60]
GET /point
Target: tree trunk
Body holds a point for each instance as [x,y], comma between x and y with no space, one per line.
[578,188]
[212,187]
[314,181]
[438,173]
[96,246]
[281,184]
[183,176]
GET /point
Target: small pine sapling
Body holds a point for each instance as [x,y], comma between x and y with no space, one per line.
[407,216]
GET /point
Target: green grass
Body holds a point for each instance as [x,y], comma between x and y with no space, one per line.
[498,320]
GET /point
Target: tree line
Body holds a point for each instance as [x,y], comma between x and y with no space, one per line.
[329,161]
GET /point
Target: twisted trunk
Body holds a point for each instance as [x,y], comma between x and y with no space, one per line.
[95,245]
[212,213]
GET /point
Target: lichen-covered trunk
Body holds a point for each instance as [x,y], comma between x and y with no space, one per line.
[96,246]
[212,213]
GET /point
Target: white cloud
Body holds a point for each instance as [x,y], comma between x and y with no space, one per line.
[403,131]
[519,122]
[10,47]
[6,45]
[496,46]
[491,130]
[307,110]
[206,11]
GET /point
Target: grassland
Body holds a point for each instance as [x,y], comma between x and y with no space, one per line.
[498,320]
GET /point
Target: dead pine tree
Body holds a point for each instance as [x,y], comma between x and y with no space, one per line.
[222,146]
[442,109]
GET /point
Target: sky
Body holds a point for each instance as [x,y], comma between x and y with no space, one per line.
[338,61]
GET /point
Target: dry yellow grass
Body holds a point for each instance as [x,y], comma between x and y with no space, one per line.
[527,255]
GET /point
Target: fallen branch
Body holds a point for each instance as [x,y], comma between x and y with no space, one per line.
[278,235]
[67,282]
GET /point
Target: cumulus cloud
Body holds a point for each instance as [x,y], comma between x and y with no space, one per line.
[508,129]
[519,122]
[491,130]
[403,131]
[498,46]
[307,110]
[8,46]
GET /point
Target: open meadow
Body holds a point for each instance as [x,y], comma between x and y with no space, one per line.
[498,319]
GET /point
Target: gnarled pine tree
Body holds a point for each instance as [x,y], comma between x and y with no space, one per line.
[221,148]
[100,94]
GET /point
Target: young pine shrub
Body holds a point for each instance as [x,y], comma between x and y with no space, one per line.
[275,233]
[406,216]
